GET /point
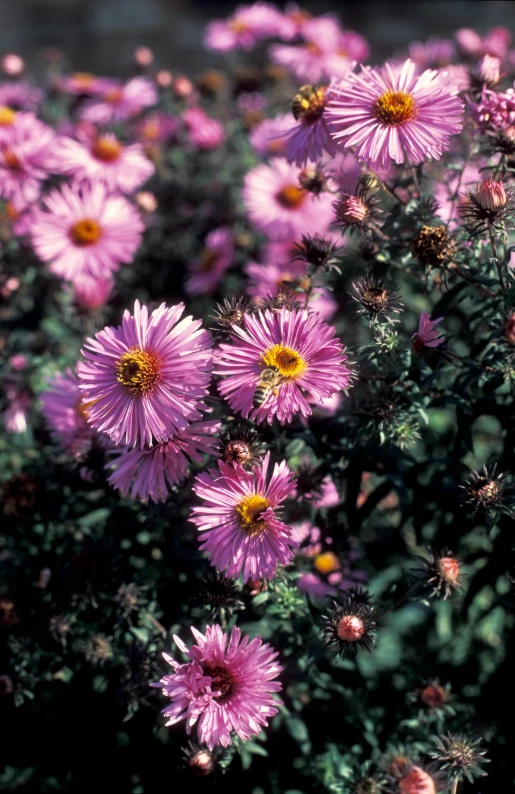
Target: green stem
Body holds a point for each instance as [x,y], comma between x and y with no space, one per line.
[496,256]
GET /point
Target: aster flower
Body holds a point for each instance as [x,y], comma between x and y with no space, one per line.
[242,533]
[203,131]
[91,293]
[225,686]
[216,257]
[391,114]
[309,137]
[434,698]
[65,414]
[487,206]
[105,159]
[82,230]
[243,29]
[426,336]
[325,51]
[267,137]
[266,281]
[156,128]
[279,206]
[82,83]
[151,473]
[349,626]
[118,102]
[144,379]
[20,96]
[298,346]
[435,52]
[26,157]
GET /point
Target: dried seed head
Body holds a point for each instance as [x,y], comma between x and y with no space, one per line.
[433,247]
[461,755]
[216,592]
[230,313]
[376,296]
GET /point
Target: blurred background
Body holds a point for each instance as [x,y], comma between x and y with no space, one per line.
[100,35]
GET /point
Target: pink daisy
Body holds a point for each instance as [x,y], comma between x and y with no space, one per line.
[65,414]
[151,473]
[244,29]
[242,533]
[268,280]
[105,159]
[82,230]
[279,206]
[294,22]
[20,96]
[119,102]
[217,256]
[26,157]
[316,58]
[91,292]
[309,138]
[83,83]
[145,378]
[267,137]
[301,348]
[426,335]
[434,52]
[156,128]
[204,132]
[225,686]
[390,114]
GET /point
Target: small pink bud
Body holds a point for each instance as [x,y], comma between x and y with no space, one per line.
[417,782]
[351,210]
[182,87]
[488,70]
[18,362]
[350,628]
[449,569]
[491,195]
[146,201]
[164,78]
[143,56]
[12,64]
[202,763]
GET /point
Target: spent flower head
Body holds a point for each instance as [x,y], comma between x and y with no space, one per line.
[461,756]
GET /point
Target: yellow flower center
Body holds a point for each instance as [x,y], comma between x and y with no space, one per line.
[309,103]
[7,116]
[248,511]
[85,232]
[287,361]
[83,79]
[106,150]
[291,196]
[394,108]
[83,408]
[138,371]
[237,26]
[113,95]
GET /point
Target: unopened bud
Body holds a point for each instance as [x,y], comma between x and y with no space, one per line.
[143,56]
[351,210]
[12,64]
[202,763]
[164,78]
[417,782]
[488,70]
[491,195]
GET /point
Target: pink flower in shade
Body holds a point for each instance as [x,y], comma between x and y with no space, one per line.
[267,138]
[65,414]
[156,128]
[320,56]
[311,584]
[20,96]
[244,29]
[206,271]
[83,83]
[18,362]
[293,23]
[26,157]
[82,230]
[309,137]
[91,293]
[279,207]
[204,132]
[268,280]
[15,415]
[302,348]
[426,336]
[151,473]
[104,158]
[433,53]
[390,114]
[242,534]
[145,378]
[119,102]
[225,686]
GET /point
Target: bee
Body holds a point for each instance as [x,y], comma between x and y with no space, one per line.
[268,381]
[308,103]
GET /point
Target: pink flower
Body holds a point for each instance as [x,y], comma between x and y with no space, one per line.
[434,52]
[12,64]
[119,102]
[156,128]
[90,292]
[325,52]
[65,414]
[204,132]
[267,137]
[426,336]
[145,378]
[390,114]
[151,473]
[242,533]
[268,280]
[81,230]
[277,204]
[20,96]
[104,158]
[244,29]
[224,686]
[15,415]
[207,271]
[445,191]
[301,349]
[26,155]
[83,83]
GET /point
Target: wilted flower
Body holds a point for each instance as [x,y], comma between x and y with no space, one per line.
[316,251]
[392,114]
[433,696]
[242,533]
[433,246]
[377,297]
[461,756]
[224,687]
[232,312]
[98,649]
[349,626]
[488,490]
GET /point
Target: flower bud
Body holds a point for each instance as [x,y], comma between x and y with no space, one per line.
[491,195]
[417,781]
[351,210]
[12,64]
[182,87]
[146,201]
[202,763]
[164,78]
[488,70]
[143,56]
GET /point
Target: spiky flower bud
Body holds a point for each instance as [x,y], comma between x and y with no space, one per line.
[491,195]
[350,626]
[488,205]
[434,696]
[377,297]
[487,72]
[440,575]
[241,445]
[216,592]
[461,755]
[433,246]
[488,490]
[231,312]
[351,210]
[200,760]
[316,251]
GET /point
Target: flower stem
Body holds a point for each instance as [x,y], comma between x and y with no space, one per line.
[454,787]
[496,256]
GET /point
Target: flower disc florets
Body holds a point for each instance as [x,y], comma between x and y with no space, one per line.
[350,626]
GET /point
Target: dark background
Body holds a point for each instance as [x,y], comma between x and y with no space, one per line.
[100,35]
